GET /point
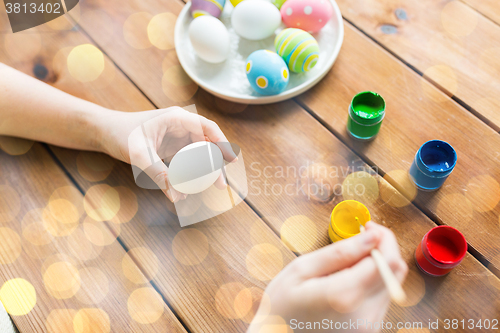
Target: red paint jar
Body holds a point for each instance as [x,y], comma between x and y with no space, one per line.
[441,249]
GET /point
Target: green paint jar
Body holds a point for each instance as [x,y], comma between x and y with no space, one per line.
[366,112]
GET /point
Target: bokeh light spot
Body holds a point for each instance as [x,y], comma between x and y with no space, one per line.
[101,202]
[94,167]
[161,30]
[15,146]
[177,85]
[146,259]
[264,261]
[85,62]
[91,321]
[458,19]
[34,231]
[10,246]
[233,300]
[98,233]
[81,247]
[299,233]
[10,203]
[483,192]
[406,190]
[414,286]
[190,246]
[61,280]
[63,211]
[135,30]
[60,321]
[318,181]
[128,205]
[261,303]
[145,305]
[216,199]
[360,186]
[56,228]
[18,296]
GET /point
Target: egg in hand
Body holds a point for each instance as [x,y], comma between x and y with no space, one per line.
[267,72]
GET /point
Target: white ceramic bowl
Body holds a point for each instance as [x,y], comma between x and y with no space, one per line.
[228,79]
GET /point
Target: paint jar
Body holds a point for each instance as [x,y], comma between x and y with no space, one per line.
[346,218]
[366,112]
[433,163]
[441,249]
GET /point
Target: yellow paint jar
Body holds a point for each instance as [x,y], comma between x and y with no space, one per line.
[346,218]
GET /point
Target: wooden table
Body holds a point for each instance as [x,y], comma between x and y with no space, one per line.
[115,258]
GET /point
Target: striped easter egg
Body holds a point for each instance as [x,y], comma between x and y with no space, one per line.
[298,48]
[207,7]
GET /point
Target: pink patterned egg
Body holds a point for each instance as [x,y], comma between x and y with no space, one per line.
[308,15]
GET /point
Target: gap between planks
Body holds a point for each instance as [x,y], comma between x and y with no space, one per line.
[118,239]
[432,82]
[476,254]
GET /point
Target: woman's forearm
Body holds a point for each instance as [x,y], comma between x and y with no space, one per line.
[34,110]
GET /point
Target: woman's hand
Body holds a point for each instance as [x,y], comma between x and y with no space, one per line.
[338,283]
[145,139]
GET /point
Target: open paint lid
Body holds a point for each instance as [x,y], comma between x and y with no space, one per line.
[367,108]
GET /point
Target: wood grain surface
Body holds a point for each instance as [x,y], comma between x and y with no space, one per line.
[279,136]
[201,270]
[449,42]
[488,8]
[469,198]
[78,281]
[213,273]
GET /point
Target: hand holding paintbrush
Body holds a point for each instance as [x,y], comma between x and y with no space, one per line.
[393,286]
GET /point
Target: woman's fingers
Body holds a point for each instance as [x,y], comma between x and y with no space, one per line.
[220,183]
[389,248]
[345,290]
[336,256]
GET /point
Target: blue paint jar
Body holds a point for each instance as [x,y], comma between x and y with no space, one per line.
[433,163]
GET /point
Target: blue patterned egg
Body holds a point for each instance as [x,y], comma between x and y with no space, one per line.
[267,72]
[207,7]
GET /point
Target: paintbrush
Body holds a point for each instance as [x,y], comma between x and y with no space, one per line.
[391,282]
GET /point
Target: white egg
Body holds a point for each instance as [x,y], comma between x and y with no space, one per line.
[256,19]
[196,167]
[210,38]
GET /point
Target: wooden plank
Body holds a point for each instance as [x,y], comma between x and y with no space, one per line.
[200,270]
[33,190]
[449,42]
[488,8]
[48,241]
[281,135]
[468,200]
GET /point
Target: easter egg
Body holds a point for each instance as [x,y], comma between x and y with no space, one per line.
[298,48]
[235,2]
[255,19]
[207,7]
[278,3]
[308,15]
[196,167]
[210,38]
[267,72]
